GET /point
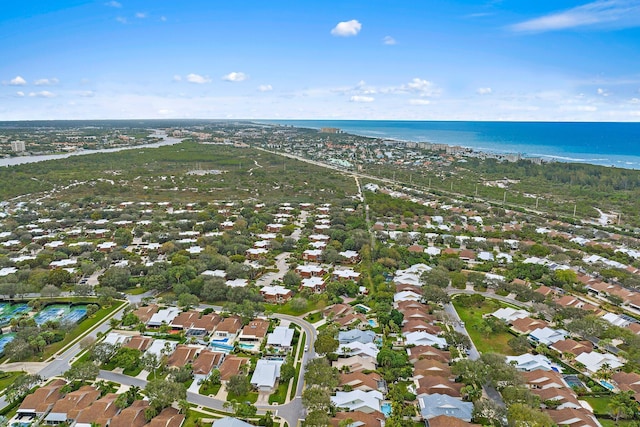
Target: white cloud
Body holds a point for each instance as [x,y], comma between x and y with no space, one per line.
[600,13]
[634,101]
[18,81]
[419,102]
[389,41]
[122,20]
[197,79]
[359,98]
[42,94]
[113,4]
[46,82]
[347,28]
[265,88]
[20,93]
[235,77]
[484,91]
[424,87]
[141,15]
[602,92]
[177,78]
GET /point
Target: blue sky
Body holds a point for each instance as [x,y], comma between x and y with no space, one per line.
[367,59]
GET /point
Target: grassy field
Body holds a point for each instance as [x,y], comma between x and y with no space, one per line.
[313,317]
[599,404]
[472,318]
[210,390]
[287,309]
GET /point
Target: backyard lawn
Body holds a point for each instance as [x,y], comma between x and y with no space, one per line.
[472,318]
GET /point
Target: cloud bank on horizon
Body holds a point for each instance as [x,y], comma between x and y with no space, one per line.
[463,60]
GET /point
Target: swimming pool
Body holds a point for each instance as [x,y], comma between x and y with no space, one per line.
[246,346]
[372,323]
[607,385]
[385,408]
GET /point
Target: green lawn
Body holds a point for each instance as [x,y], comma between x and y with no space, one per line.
[192,418]
[472,318]
[313,317]
[599,404]
[7,378]
[280,395]
[136,291]
[250,397]
[210,390]
[611,423]
[286,308]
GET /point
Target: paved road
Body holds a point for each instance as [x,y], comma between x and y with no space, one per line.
[290,412]
[60,363]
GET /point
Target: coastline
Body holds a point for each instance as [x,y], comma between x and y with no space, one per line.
[603,149]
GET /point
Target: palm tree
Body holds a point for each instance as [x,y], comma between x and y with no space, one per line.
[184,406]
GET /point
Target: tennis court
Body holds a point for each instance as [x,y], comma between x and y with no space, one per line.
[61,313]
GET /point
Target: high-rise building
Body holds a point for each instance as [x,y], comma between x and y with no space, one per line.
[17,146]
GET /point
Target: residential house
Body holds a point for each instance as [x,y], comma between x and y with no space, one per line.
[447,421]
[229,327]
[359,419]
[315,284]
[281,337]
[276,294]
[38,403]
[570,417]
[530,362]
[183,355]
[433,405]
[358,400]
[540,379]
[438,385]
[253,334]
[526,325]
[145,312]
[547,336]
[169,417]
[139,342]
[66,409]
[266,375]
[352,335]
[230,422]
[99,413]
[508,314]
[230,366]
[206,361]
[424,338]
[164,316]
[362,381]
[133,416]
[572,346]
[427,352]
[355,363]
[427,367]
[594,361]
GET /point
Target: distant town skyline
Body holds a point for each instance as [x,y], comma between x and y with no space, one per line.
[546,60]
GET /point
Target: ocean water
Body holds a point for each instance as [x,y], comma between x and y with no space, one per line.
[606,144]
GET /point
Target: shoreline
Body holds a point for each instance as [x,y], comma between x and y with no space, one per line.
[608,160]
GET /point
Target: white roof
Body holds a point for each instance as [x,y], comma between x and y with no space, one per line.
[509,314]
[406,296]
[237,283]
[594,361]
[281,336]
[7,271]
[616,320]
[157,346]
[215,273]
[424,338]
[530,362]
[548,335]
[115,338]
[266,373]
[356,348]
[357,399]
[165,315]
[312,282]
[274,290]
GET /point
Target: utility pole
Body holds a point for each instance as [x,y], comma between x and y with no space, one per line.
[575,207]
[537,199]
[504,198]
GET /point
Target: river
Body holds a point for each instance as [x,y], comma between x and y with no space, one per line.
[167,140]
